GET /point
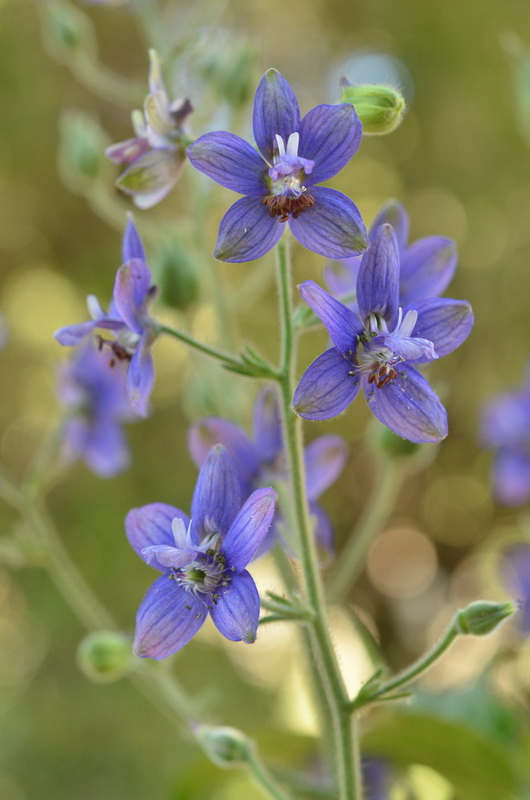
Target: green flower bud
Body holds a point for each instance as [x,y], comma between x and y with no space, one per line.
[393,445]
[176,273]
[380,108]
[482,617]
[226,747]
[82,146]
[105,656]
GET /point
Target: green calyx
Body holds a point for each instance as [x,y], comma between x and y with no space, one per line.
[379,107]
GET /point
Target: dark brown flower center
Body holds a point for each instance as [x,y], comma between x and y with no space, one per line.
[283,205]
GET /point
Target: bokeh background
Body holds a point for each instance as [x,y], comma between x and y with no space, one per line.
[460,164]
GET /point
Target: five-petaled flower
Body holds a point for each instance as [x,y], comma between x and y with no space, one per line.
[506,429]
[279,181]
[426,266]
[127,319]
[203,560]
[261,461]
[379,348]
[96,400]
[155,157]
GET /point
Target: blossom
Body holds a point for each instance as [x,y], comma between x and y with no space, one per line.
[379,349]
[127,319]
[260,459]
[202,561]
[506,429]
[426,266]
[96,401]
[279,181]
[155,157]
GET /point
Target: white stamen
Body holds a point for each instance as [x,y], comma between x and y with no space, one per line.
[292,144]
[179,533]
[94,308]
[405,328]
[280,144]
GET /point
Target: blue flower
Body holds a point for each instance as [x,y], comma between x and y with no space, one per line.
[426,266]
[127,319]
[506,429]
[203,560]
[95,397]
[260,460]
[156,156]
[379,349]
[279,181]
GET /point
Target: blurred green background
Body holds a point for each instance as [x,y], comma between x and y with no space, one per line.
[460,165]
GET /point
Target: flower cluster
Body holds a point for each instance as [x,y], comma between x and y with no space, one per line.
[280,181]
[127,320]
[260,460]
[379,348]
[95,398]
[506,429]
[202,560]
[155,157]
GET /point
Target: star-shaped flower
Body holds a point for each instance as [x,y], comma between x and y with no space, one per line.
[203,560]
[280,181]
[127,319]
[379,349]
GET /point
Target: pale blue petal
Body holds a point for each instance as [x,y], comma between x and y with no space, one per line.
[378,279]
[325,459]
[167,619]
[216,499]
[133,281]
[511,476]
[205,433]
[427,268]
[276,111]
[393,213]
[249,528]
[409,407]
[267,425]
[326,387]
[151,525]
[332,227]
[231,161]
[236,613]
[329,136]
[141,377]
[446,323]
[341,323]
[247,231]
[132,246]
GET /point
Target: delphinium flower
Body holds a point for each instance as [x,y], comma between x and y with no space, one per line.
[127,319]
[380,348]
[202,561]
[279,181]
[426,266]
[155,157]
[506,429]
[95,399]
[260,459]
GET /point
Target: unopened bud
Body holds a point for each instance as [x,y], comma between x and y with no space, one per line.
[393,445]
[482,617]
[379,107]
[105,656]
[176,273]
[226,747]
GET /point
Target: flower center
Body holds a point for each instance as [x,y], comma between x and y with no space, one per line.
[123,346]
[205,575]
[373,358]
[288,195]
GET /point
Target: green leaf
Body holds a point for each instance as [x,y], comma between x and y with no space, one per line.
[476,767]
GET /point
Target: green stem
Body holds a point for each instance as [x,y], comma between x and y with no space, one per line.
[203,348]
[379,691]
[263,777]
[345,743]
[376,512]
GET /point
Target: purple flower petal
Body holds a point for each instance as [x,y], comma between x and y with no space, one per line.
[236,613]
[409,349]
[409,407]
[231,161]
[276,111]
[324,533]
[247,231]
[267,425]
[167,619]
[128,151]
[205,433]
[141,377]
[152,176]
[249,528]
[341,276]
[393,213]
[427,267]
[333,227]
[132,246]
[515,574]
[506,420]
[165,557]
[71,335]
[151,525]
[324,460]
[216,499]
[511,476]
[341,323]
[326,387]
[446,323]
[105,449]
[378,280]
[329,136]
[132,284]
